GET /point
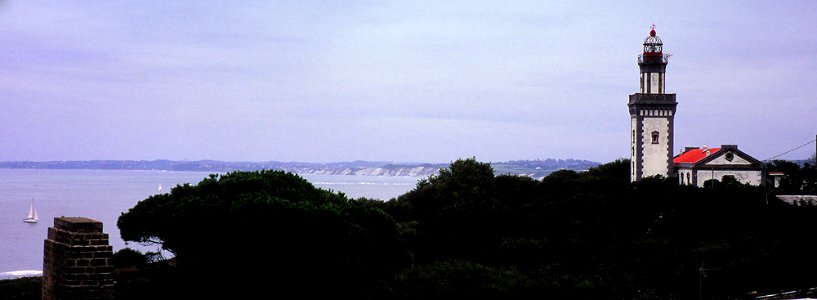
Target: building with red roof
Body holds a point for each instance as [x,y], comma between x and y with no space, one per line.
[698,164]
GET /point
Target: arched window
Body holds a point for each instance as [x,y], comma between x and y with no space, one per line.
[655,137]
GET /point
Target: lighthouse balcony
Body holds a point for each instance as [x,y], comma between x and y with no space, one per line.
[653,57]
[640,98]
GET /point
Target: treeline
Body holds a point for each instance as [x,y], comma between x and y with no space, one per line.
[467,232]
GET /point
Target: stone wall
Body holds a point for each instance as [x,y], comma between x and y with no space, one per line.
[77,260]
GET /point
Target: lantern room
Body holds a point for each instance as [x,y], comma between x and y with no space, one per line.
[653,44]
[653,64]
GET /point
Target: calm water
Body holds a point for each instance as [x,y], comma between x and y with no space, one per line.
[104,195]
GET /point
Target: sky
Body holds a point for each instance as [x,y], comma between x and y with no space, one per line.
[402,81]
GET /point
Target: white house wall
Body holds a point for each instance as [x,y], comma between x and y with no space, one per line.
[750,177]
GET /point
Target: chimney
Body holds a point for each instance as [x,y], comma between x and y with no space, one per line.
[77,261]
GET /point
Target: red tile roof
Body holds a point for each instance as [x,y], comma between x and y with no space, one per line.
[693,155]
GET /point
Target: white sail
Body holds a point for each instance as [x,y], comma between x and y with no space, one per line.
[160,188]
[32,216]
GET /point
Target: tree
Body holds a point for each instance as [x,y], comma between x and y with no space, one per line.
[452,213]
[793,176]
[594,234]
[458,279]
[810,175]
[311,237]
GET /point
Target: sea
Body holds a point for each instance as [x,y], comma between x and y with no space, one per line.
[103,195]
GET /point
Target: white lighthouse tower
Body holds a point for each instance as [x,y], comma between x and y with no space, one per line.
[652,112]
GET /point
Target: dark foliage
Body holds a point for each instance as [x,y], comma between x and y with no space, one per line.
[246,233]
[26,288]
[797,179]
[571,235]
[596,235]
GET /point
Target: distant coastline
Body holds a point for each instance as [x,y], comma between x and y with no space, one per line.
[531,168]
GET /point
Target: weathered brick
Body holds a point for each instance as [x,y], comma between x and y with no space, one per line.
[76,262]
[98,242]
[103,254]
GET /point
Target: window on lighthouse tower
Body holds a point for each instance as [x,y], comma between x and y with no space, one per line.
[655,137]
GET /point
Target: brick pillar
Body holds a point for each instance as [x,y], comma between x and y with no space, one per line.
[77,260]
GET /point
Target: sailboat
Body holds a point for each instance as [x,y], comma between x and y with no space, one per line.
[32,214]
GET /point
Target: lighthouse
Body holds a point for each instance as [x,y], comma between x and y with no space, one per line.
[652,112]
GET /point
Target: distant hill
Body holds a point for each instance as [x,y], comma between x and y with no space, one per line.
[531,168]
